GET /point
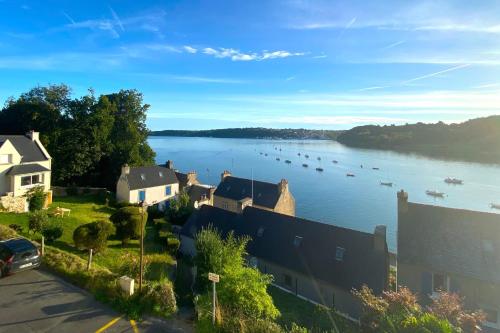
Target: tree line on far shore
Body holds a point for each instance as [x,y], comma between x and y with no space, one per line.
[89,138]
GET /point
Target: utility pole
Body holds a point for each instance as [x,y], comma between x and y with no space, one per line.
[141,268]
[215,279]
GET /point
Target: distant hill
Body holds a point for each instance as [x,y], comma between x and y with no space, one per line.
[254,133]
[474,140]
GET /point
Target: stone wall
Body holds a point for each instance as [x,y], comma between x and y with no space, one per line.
[62,191]
[13,204]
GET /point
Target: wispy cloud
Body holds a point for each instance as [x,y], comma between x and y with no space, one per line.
[487,86]
[116,18]
[372,88]
[390,46]
[201,79]
[237,55]
[190,49]
[70,19]
[436,73]
[290,78]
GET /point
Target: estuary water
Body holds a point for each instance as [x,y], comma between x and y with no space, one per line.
[358,202]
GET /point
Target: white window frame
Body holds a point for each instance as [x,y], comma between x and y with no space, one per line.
[447,284]
[489,323]
[31,184]
[7,161]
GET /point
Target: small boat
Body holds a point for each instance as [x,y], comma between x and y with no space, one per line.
[350,175]
[335,161]
[277,158]
[305,165]
[361,166]
[494,206]
[298,154]
[288,161]
[386,184]
[375,168]
[260,153]
[280,149]
[454,181]
[319,158]
[307,156]
[275,148]
[319,169]
[435,194]
[265,154]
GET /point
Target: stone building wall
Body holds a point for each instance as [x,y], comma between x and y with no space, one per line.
[13,204]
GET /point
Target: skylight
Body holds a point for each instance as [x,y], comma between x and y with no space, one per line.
[160,174]
[260,232]
[143,176]
[297,241]
[339,253]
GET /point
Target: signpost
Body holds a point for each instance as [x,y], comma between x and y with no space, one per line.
[215,279]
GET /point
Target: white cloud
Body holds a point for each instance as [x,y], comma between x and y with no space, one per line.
[437,73]
[237,55]
[116,18]
[190,49]
[390,46]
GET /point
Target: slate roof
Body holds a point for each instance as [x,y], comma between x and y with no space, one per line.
[183,179]
[150,176]
[264,194]
[273,239]
[450,240]
[196,192]
[29,149]
[24,169]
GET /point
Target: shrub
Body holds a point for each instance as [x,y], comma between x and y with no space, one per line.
[16,227]
[37,221]
[52,231]
[128,221]
[162,297]
[93,235]
[36,198]
[173,245]
[6,232]
[154,212]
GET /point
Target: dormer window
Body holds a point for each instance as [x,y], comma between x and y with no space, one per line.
[260,232]
[259,195]
[339,253]
[160,174]
[297,241]
[143,176]
[5,158]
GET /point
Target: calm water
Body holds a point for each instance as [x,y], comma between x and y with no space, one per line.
[329,196]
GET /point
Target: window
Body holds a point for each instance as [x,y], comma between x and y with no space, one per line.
[339,253]
[4,159]
[224,205]
[31,180]
[260,232]
[297,241]
[491,318]
[253,262]
[142,195]
[168,190]
[160,174]
[287,279]
[440,282]
[143,176]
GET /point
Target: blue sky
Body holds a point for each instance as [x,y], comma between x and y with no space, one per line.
[215,64]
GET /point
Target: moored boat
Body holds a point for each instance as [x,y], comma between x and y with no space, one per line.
[319,158]
[288,161]
[386,184]
[277,158]
[319,169]
[298,154]
[495,206]
[434,193]
[350,175]
[454,181]
[305,165]
[375,168]
[335,161]
[307,156]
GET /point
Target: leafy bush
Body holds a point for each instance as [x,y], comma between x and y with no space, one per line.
[52,230]
[16,227]
[128,222]
[37,221]
[93,235]
[154,212]
[179,209]
[36,198]
[162,297]
[173,245]
[6,232]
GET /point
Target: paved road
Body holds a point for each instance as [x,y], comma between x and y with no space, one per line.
[37,301]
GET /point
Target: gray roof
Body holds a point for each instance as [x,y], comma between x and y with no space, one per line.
[264,194]
[150,176]
[29,149]
[274,240]
[197,192]
[24,169]
[450,240]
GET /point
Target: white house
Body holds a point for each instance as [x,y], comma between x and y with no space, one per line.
[150,184]
[24,164]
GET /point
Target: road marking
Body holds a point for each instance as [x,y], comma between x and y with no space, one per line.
[108,325]
[134,326]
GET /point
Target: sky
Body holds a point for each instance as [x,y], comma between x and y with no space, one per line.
[308,64]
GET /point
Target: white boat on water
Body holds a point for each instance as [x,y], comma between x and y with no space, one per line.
[494,206]
[434,193]
[386,184]
[455,181]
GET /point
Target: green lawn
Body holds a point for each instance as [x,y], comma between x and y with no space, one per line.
[85,209]
[314,317]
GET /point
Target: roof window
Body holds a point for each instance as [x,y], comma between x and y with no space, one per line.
[143,176]
[339,253]
[297,241]
[160,173]
[260,232]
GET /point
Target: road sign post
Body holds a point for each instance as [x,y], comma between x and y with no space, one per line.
[215,279]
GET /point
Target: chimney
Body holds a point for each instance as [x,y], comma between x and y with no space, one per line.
[125,169]
[33,135]
[379,239]
[283,186]
[224,175]
[191,178]
[402,201]
[169,165]
[211,193]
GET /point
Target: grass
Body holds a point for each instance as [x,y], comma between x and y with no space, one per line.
[314,317]
[86,209]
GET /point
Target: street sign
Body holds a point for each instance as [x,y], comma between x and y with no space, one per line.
[213,277]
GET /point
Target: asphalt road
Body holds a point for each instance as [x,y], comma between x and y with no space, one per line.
[37,301]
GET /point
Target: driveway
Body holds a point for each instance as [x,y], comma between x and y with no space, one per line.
[37,301]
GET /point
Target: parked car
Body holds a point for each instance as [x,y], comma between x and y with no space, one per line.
[18,254]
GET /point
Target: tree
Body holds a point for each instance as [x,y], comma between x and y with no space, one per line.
[52,230]
[93,235]
[36,198]
[128,221]
[179,209]
[37,221]
[242,290]
[449,306]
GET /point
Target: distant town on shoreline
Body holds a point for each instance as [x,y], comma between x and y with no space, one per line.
[475,140]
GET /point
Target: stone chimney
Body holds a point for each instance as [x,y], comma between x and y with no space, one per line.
[402,201]
[379,239]
[192,178]
[33,135]
[125,169]
[224,175]
[169,164]
[283,186]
